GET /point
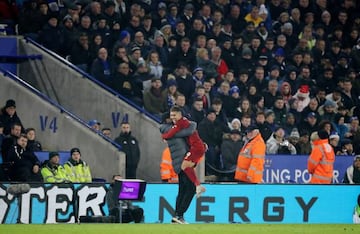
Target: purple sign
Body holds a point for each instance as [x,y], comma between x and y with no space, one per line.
[129,190]
[293,169]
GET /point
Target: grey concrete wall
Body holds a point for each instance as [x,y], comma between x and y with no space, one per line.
[57,130]
[90,101]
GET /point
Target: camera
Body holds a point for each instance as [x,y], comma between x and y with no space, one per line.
[284,143]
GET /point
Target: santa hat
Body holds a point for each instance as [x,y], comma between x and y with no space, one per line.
[303,91]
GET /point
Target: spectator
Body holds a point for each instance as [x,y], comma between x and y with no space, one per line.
[302,98]
[186,84]
[95,125]
[230,148]
[52,171]
[155,65]
[130,146]
[221,116]
[271,94]
[303,147]
[163,49]
[119,56]
[352,174]
[51,36]
[70,34]
[142,75]
[26,166]
[280,111]
[9,116]
[106,132]
[290,123]
[203,61]
[10,140]
[277,144]
[312,107]
[160,15]
[334,140]
[347,148]
[188,16]
[155,101]
[183,54]
[294,138]
[264,126]
[197,112]
[171,93]
[101,68]
[135,58]
[77,170]
[211,131]
[142,43]
[354,132]
[180,101]
[328,111]
[32,145]
[124,84]
[198,76]
[310,123]
[81,53]
[85,26]
[243,108]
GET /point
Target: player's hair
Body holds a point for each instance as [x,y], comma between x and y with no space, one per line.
[175,109]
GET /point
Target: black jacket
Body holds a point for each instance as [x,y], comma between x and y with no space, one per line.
[130,146]
[8,120]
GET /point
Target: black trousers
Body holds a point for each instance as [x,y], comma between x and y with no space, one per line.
[185,194]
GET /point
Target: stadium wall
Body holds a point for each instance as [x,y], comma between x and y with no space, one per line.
[57,79]
[59,130]
[222,203]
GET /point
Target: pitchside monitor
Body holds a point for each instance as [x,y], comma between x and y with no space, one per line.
[129,189]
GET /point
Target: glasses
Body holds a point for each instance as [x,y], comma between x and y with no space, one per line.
[124,67]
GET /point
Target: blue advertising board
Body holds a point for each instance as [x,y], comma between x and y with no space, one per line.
[8,47]
[221,203]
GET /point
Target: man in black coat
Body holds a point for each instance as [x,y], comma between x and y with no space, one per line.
[26,165]
[130,146]
[352,175]
[8,116]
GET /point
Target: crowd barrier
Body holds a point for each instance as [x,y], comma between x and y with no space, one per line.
[222,203]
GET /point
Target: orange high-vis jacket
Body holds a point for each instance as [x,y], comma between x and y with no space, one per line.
[251,159]
[166,169]
[321,162]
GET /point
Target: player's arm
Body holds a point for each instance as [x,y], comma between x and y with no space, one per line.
[180,124]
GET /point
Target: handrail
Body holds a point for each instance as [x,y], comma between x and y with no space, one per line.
[62,109]
[88,76]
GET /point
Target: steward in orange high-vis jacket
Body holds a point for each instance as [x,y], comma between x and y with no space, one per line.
[321,159]
[250,164]
[167,171]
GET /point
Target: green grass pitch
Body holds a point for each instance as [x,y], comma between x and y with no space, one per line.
[175,228]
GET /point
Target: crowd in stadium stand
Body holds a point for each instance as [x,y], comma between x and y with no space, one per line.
[290,67]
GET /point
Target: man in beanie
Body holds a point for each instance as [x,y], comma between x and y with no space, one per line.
[76,169]
[352,175]
[52,171]
[8,116]
[321,159]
